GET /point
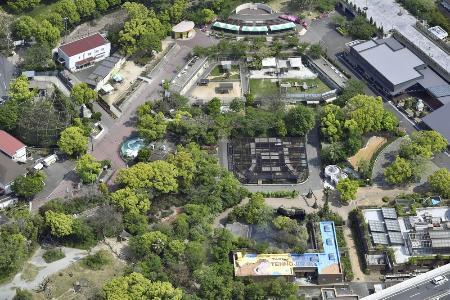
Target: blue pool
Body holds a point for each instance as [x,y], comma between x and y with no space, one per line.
[131,147]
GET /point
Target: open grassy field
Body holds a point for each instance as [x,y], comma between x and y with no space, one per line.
[366,153]
[263,87]
[30,272]
[91,281]
[267,87]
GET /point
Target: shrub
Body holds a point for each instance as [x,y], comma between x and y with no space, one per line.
[98,260]
[52,255]
[385,199]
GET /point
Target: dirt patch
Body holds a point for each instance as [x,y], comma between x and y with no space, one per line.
[366,153]
[87,282]
[208,92]
[108,22]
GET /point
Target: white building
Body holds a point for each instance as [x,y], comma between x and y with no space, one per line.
[12,147]
[84,52]
[438,32]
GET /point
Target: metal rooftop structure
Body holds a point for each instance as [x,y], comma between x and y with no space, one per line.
[389,213]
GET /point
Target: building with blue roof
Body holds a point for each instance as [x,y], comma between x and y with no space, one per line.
[326,264]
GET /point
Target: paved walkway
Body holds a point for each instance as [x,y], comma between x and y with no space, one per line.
[353,256]
[384,159]
[7,291]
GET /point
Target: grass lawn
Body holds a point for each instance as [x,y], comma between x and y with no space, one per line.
[30,272]
[91,280]
[263,87]
[217,73]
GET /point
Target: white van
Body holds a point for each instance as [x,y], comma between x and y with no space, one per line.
[49,160]
[438,280]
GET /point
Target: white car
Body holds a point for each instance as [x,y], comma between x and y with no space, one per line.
[438,280]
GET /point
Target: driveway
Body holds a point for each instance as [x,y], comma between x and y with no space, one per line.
[7,291]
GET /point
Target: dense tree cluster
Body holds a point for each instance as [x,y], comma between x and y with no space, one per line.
[414,151]
[344,126]
[440,182]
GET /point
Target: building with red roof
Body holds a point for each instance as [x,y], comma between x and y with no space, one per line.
[84,52]
[12,147]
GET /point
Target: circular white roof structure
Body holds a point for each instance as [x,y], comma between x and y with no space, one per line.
[332,170]
[183,26]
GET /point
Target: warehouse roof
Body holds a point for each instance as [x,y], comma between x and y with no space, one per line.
[396,65]
[438,120]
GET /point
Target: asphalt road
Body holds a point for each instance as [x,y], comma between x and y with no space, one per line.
[424,291]
[7,70]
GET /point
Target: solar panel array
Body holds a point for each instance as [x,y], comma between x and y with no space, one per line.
[379,238]
[395,237]
[376,226]
[392,225]
[389,213]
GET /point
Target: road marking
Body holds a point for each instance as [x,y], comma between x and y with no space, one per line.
[414,295]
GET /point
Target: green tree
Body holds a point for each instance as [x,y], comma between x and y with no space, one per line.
[68,9]
[152,127]
[353,87]
[177,10]
[207,15]
[83,94]
[39,58]
[18,6]
[333,154]
[149,242]
[19,90]
[158,175]
[195,255]
[315,51]
[135,28]
[46,33]
[73,141]
[368,112]
[135,223]
[60,224]
[24,27]
[360,28]
[184,162]
[88,168]
[347,189]
[136,287]
[102,5]
[9,114]
[331,122]
[14,251]
[280,127]
[440,182]
[130,202]
[338,20]
[85,8]
[254,212]
[237,105]
[28,185]
[299,120]
[399,172]
[214,106]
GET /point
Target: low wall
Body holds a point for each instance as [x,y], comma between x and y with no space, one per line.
[261,6]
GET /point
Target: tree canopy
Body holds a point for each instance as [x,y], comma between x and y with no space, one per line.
[130,201]
[136,287]
[159,176]
[73,141]
[29,185]
[347,189]
[82,93]
[60,224]
[440,182]
[399,172]
[88,168]
[299,120]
